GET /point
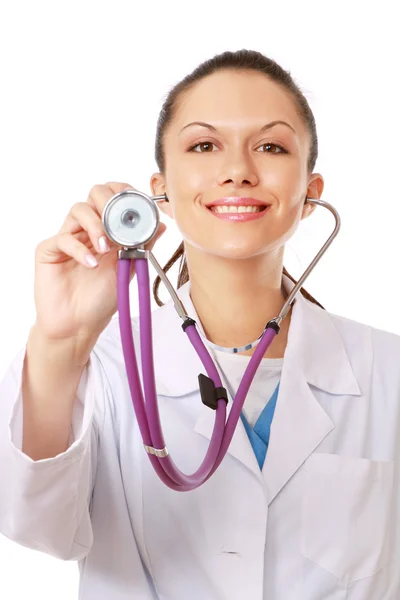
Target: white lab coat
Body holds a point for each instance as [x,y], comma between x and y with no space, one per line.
[320,522]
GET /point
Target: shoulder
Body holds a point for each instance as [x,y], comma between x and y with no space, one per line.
[364,339]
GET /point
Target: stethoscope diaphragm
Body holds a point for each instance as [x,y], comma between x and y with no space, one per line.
[130,219]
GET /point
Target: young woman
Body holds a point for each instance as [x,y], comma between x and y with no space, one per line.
[303,507]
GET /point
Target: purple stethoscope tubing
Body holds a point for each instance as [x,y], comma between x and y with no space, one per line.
[147,412]
[148,416]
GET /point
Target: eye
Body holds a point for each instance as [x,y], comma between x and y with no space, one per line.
[275,146]
[208,148]
[207,144]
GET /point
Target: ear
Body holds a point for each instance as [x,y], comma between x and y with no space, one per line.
[314,191]
[157,185]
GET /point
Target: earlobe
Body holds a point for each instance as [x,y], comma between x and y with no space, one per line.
[308,209]
[311,208]
[166,208]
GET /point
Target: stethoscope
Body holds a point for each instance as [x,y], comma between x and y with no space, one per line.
[130,219]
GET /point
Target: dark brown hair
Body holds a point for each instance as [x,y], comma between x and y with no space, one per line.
[244,60]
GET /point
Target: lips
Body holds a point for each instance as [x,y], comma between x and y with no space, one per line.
[238,201]
[238,216]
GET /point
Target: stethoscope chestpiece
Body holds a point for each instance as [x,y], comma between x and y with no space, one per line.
[130,219]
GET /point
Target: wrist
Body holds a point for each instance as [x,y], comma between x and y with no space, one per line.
[71,351]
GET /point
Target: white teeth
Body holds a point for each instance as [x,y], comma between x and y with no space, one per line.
[236,209]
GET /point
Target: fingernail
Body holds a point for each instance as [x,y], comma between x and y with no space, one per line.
[91,261]
[103,244]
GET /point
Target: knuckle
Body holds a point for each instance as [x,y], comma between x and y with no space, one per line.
[77,207]
[96,188]
[42,243]
[84,214]
[40,247]
[60,237]
[119,186]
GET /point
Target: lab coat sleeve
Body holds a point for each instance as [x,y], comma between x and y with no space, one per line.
[44,504]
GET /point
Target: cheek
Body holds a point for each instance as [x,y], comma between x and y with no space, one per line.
[286,171]
[194,182]
[187,190]
[288,188]
[185,218]
[192,174]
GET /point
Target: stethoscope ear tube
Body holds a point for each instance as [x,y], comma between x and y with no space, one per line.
[212,392]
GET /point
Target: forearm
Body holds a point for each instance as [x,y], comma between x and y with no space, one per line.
[51,374]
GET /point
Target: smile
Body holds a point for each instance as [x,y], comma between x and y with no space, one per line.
[237,209]
[239,214]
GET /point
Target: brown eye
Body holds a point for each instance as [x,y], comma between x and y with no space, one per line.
[207,145]
[274,146]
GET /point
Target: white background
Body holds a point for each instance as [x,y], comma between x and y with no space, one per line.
[82,84]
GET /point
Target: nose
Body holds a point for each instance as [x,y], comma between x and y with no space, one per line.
[238,170]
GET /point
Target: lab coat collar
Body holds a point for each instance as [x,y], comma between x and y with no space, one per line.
[315,356]
[313,344]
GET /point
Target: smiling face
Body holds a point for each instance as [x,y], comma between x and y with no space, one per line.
[239,154]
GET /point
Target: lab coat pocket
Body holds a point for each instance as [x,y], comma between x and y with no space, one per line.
[346,512]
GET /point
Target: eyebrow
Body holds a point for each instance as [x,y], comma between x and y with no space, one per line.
[212,128]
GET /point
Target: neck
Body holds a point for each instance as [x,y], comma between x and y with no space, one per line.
[235,299]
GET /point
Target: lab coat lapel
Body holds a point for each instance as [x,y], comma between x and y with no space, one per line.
[177,367]
[315,359]
[299,425]
[240,446]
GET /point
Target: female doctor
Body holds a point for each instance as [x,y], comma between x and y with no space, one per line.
[305,504]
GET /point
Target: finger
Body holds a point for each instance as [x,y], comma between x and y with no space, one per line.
[99,195]
[84,217]
[118,186]
[62,245]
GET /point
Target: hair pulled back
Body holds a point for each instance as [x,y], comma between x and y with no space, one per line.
[241,60]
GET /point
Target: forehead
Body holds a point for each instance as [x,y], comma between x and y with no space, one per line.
[234,96]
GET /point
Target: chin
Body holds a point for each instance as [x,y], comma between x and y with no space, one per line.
[244,252]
